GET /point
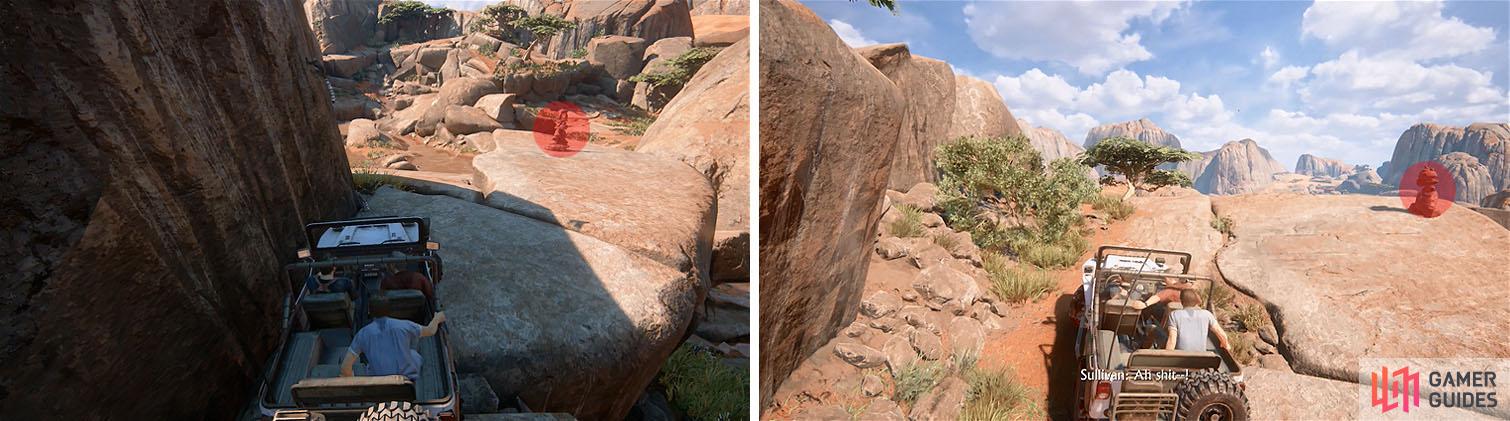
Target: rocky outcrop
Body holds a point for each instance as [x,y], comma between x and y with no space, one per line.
[928,86]
[1471,180]
[1486,142]
[1499,200]
[548,313]
[1330,311]
[1141,129]
[340,25]
[1194,167]
[1238,167]
[707,126]
[819,206]
[719,30]
[617,55]
[720,7]
[422,27]
[648,204]
[1325,167]
[160,162]
[1050,143]
[979,110]
[650,20]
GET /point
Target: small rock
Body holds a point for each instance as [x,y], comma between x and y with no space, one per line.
[999,308]
[826,412]
[944,402]
[980,310]
[882,410]
[872,386]
[941,284]
[1268,334]
[855,330]
[928,256]
[909,296]
[859,355]
[394,158]
[917,317]
[1274,362]
[927,344]
[880,304]
[899,353]
[477,396]
[403,166]
[966,336]
[887,325]
[921,196]
[1263,347]
[932,220]
[891,248]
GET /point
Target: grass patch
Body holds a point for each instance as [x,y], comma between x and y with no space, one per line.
[1220,296]
[1251,317]
[633,126]
[367,179]
[948,241]
[699,384]
[1223,224]
[996,394]
[915,379]
[909,224]
[1016,284]
[1114,206]
[1057,254]
[1242,349]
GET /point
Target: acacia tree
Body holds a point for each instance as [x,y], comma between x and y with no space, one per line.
[1138,162]
[541,29]
[497,21]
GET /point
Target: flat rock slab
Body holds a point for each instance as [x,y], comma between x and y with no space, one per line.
[1280,395]
[1351,276]
[653,205]
[1181,223]
[564,320]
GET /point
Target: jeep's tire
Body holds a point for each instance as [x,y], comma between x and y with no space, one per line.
[397,411]
[1211,395]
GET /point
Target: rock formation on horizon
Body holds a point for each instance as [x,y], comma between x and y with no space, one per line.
[1485,142]
[1050,143]
[1471,180]
[1141,129]
[650,20]
[979,110]
[1238,167]
[1314,165]
[829,125]
[928,85]
[165,160]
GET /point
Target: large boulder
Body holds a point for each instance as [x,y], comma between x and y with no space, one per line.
[1238,167]
[928,85]
[341,25]
[647,204]
[460,91]
[1350,276]
[828,128]
[154,197]
[350,64]
[1317,166]
[650,20]
[708,127]
[720,7]
[619,56]
[1471,180]
[979,110]
[563,320]
[1487,142]
[719,30]
[462,120]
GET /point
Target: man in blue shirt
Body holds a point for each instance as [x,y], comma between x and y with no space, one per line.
[391,345]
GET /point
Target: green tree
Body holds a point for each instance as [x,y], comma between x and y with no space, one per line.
[992,185]
[497,21]
[541,29]
[1137,162]
[884,4]
[409,9]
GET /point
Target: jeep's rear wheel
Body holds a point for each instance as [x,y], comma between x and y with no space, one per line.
[397,411]
[1208,395]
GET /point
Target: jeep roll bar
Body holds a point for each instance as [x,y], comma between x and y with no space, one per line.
[1185,258]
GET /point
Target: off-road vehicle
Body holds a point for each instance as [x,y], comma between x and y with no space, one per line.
[303,381]
[1123,374]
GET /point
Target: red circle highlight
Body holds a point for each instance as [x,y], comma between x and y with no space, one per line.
[1427,180]
[561,129]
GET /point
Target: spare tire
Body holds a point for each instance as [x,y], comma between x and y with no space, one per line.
[397,411]
[1211,395]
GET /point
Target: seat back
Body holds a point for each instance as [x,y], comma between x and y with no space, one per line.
[1173,359]
[356,389]
[331,309]
[407,304]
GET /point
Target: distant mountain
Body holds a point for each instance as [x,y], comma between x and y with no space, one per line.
[1237,167]
[1314,165]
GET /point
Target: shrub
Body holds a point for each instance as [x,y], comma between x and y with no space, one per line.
[909,224]
[541,28]
[1220,296]
[1224,225]
[1242,348]
[497,21]
[996,394]
[947,241]
[989,185]
[409,9]
[1057,253]
[1251,317]
[680,69]
[579,53]
[915,379]
[367,179]
[699,384]
[1115,208]
[488,50]
[633,126]
[1017,284]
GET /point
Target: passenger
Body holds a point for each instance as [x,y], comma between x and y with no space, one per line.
[1170,294]
[389,344]
[327,281]
[1188,325]
[407,279]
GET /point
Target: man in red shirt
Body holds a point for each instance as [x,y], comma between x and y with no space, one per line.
[407,279]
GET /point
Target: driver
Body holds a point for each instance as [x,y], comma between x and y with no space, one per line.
[1188,325]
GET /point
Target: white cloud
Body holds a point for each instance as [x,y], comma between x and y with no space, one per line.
[1091,36]
[850,34]
[1288,76]
[1353,83]
[1411,30]
[1049,101]
[1270,57]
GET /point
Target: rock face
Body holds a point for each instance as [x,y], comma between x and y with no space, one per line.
[719,30]
[819,207]
[1486,142]
[1238,167]
[720,7]
[340,25]
[1050,143]
[1142,129]
[979,110]
[650,20]
[1471,179]
[617,55]
[548,313]
[154,200]
[1317,166]
[655,206]
[707,126]
[1334,300]
[928,86]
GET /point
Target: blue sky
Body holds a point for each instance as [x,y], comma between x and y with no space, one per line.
[1339,80]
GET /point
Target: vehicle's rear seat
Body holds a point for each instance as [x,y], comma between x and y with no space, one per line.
[407,304]
[328,310]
